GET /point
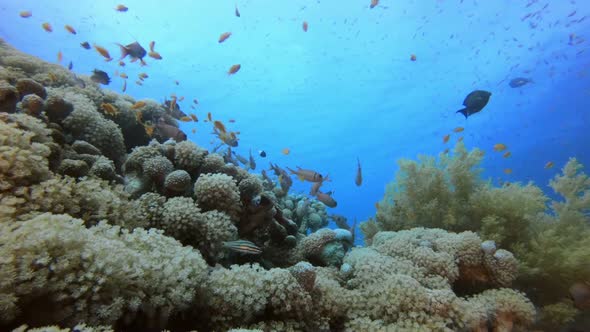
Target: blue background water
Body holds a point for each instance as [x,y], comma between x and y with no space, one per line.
[347,88]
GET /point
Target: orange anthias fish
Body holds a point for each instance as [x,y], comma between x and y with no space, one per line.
[507,154]
[138,104]
[306,174]
[60,56]
[223,37]
[149,128]
[358,180]
[47,27]
[460,139]
[219,125]
[374,3]
[70,29]
[123,75]
[549,164]
[185,119]
[25,14]
[305,26]
[508,171]
[286,151]
[121,8]
[228,138]
[109,109]
[103,51]
[155,55]
[194,117]
[499,147]
[243,246]
[458,129]
[234,69]
[446,138]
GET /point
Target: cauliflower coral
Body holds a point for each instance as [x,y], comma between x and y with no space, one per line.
[98,275]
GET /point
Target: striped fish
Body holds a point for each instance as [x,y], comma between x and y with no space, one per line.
[243,246]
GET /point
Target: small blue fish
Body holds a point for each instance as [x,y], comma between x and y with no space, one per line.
[519,81]
[70,65]
[243,246]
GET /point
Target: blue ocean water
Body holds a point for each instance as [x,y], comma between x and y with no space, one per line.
[347,87]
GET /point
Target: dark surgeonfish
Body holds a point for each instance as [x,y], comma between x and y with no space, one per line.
[519,81]
[100,76]
[475,102]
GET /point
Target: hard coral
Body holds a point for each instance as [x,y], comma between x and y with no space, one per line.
[23,155]
[100,275]
[248,294]
[9,96]
[325,247]
[508,309]
[26,86]
[218,192]
[86,123]
[189,157]
[177,182]
[32,105]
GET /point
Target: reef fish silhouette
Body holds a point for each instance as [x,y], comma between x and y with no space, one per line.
[519,81]
[475,102]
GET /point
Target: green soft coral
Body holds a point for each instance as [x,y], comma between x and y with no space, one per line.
[431,192]
[574,186]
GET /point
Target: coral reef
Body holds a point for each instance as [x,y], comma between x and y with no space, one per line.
[105,225]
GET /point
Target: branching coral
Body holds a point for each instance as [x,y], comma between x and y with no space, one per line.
[432,193]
